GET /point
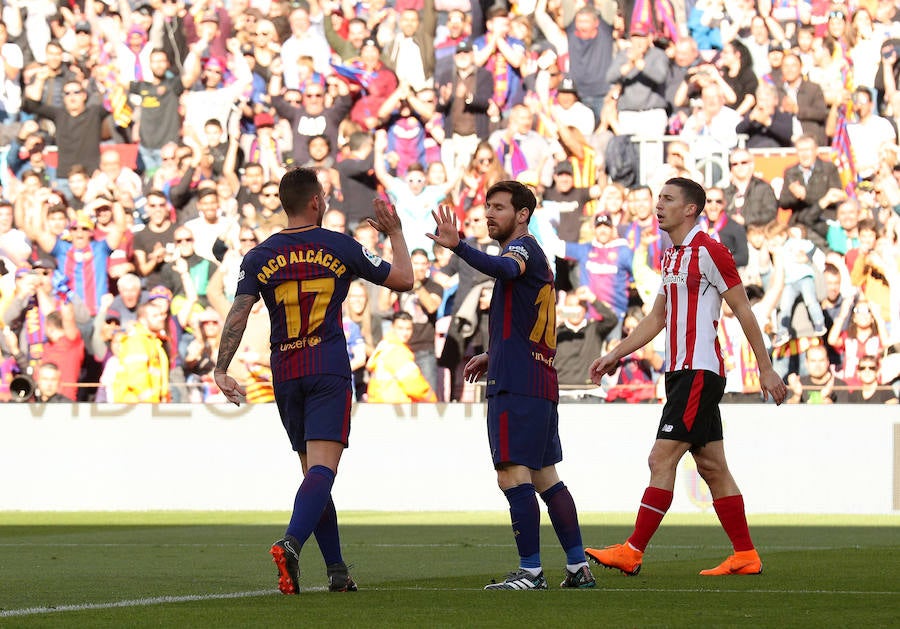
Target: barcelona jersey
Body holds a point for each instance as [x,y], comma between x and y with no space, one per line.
[522,338]
[303,276]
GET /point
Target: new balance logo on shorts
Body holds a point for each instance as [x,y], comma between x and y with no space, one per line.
[667,428]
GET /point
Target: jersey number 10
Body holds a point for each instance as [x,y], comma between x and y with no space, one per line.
[545,326]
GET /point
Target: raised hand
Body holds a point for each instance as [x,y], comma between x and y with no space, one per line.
[386,220]
[447,231]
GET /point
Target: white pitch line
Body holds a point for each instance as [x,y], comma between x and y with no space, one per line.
[378,545]
[159,600]
[138,602]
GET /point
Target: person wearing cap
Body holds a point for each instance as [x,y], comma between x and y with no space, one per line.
[640,71]
[604,265]
[83,259]
[463,96]
[568,110]
[158,92]
[264,158]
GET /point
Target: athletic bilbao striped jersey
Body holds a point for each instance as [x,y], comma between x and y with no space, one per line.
[694,275]
[522,330]
[303,276]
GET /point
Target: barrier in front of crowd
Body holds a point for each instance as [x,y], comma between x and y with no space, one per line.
[790,459]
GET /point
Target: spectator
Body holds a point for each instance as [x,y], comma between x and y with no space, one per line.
[749,199]
[877,274]
[200,355]
[312,117]
[379,82]
[334,220]
[605,265]
[130,296]
[869,391]
[414,131]
[410,54]
[521,148]
[502,55]
[716,222]
[842,234]
[640,72]
[64,348]
[811,189]
[793,259]
[865,334]
[766,125]
[589,45]
[210,225]
[394,376]
[12,62]
[464,95]
[414,200]
[357,311]
[357,177]
[804,99]
[82,259]
[483,171]
[643,219]
[144,376]
[48,385]
[154,243]
[158,109]
[870,130]
[740,83]
[78,124]
[820,386]
[712,125]
[187,275]
[579,340]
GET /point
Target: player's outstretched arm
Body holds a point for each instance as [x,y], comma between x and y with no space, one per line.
[504,267]
[232,332]
[388,223]
[769,381]
[643,333]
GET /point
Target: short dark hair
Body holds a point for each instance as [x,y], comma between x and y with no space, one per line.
[213,121]
[418,251]
[401,316]
[522,196]
[694,194]
[296,189]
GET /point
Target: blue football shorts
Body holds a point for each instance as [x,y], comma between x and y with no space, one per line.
[315,408]
[523,430]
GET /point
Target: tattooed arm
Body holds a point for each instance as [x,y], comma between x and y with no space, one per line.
[232,332]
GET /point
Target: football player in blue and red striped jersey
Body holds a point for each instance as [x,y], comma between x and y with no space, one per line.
[697,273]
[522,385]
[303,274]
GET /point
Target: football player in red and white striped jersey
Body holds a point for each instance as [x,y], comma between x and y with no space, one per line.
[697,273]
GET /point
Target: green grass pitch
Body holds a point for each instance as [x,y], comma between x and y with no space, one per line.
[428,569]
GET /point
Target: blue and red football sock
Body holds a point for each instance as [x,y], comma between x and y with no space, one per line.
[526,523]
[564,517]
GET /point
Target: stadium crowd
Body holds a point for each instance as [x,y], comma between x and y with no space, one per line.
[142,144]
